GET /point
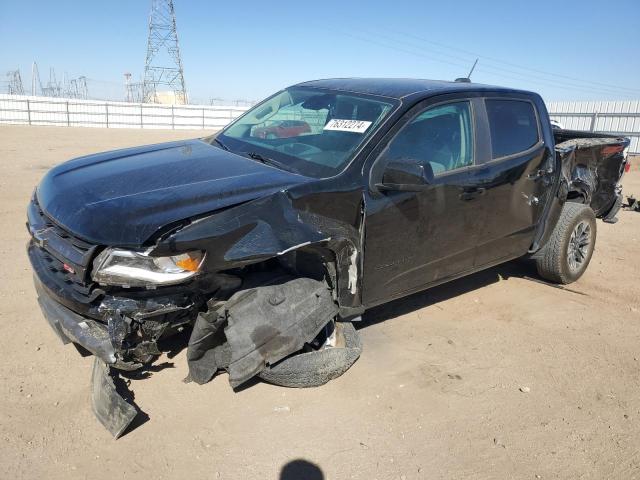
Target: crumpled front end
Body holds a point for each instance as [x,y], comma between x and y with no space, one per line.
[121,329]
[274,277]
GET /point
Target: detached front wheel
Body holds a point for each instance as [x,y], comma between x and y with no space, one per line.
[320,363]
[568,252]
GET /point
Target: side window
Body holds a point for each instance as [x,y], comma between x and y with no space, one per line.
[440,135]
[513,126]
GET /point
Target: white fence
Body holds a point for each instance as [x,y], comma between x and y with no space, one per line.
[29,110]
[617,117]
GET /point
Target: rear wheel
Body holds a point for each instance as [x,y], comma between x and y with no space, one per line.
[568,252]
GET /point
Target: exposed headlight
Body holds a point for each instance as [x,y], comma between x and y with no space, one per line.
[129,268]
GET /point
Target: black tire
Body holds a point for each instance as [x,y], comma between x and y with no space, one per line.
[568,252]
[312,369]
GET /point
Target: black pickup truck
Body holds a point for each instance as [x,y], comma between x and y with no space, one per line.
[265,241]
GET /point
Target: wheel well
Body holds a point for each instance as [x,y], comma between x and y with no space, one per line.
[310,261]
[576,196]
[313,262]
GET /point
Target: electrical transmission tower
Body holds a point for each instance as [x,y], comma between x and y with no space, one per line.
[132,89]
[35,79]
[163,73]
[76,88]
[54,87]
[15,83]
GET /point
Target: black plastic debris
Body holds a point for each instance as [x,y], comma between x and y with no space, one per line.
[258,327]
[633,204]
[111,408]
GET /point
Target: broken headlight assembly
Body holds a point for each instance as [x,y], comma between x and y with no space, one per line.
[128,268]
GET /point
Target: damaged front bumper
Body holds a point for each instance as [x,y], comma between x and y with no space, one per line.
[110,407]
[71,327]
[121,331]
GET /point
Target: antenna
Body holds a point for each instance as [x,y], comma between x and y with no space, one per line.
[472,69]
[163,66]
[467,79]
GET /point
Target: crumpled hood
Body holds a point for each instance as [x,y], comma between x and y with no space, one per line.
[123,197]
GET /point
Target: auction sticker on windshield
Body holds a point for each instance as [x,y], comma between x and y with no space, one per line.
[357,126]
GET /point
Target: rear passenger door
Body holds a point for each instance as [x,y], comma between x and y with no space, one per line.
[516,178]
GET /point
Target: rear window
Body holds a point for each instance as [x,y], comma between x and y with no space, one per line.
[514,127]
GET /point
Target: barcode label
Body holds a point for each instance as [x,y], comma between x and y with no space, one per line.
[357,126]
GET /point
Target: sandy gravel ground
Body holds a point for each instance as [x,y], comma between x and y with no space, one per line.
[437,393]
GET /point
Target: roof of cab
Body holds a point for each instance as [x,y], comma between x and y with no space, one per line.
[399,87]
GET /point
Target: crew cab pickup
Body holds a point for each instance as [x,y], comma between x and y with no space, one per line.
[265,248]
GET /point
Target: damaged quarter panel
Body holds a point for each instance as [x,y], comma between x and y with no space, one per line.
[592,164]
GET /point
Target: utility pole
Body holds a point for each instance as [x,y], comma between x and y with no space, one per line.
[163,66]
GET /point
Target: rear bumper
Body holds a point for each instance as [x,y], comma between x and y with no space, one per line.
[72,327]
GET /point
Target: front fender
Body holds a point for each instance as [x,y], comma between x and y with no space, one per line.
[270,227]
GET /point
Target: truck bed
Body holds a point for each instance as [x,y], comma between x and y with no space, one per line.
[593,164]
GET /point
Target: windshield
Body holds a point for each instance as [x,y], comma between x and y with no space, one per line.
[304,130]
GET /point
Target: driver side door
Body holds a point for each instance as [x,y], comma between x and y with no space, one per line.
[417,238]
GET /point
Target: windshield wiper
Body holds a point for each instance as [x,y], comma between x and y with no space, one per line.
[260,158]
[267,161]
[222,145]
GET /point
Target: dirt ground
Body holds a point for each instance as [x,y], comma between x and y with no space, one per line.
[491,376]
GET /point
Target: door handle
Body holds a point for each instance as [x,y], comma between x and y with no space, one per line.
[471,193]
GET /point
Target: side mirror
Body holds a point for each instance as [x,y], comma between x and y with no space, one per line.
[407,175]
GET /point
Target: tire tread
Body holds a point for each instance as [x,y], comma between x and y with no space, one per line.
[551,258]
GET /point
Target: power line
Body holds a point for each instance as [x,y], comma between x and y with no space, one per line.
[520,76]
[522,67]
[490,69]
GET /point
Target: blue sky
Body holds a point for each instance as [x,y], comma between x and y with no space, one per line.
[569,50]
